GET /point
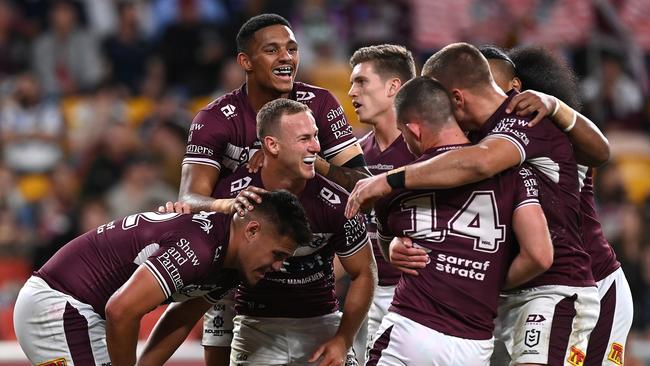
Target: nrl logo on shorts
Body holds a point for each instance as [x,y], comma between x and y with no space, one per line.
[616,354]
[532,337]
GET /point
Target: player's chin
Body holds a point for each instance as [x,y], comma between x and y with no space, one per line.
[254,277]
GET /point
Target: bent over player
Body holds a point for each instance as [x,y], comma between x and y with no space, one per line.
[84,305]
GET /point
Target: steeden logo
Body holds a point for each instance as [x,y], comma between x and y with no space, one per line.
[56,362]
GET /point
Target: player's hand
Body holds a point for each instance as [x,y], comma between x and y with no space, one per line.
[243,202]
[178,207]
[331,353]
[365,192]
[407,258]
[529,102]
[255,162]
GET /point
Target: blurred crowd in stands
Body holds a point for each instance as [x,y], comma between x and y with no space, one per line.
[96,98]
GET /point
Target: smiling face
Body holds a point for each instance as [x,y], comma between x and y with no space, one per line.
[273,59]
[264,251]
[369,92]
[298,145]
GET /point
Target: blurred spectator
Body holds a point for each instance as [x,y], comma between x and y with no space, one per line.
[66,57]
[612,98]
[192,51]
[140,188]
[31,128]
[126,51]
[14,53]
[89,118]
[376,22]
[231,77]
[106,162]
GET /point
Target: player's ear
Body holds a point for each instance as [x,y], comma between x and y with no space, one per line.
[252,229]
[244,61]
[457,99]
[415,129]
[516,83]
[271,145]
[393,86]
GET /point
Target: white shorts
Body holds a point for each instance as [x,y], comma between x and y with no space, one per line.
[607,341]
[402,341]
[218,324]
[378,309]
[52,326]
[547,324]
[281,341]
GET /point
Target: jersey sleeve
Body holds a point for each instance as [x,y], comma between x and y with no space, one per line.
[381,220]
[526,187]
[181,260]
[531,142]
[208,137]
[334,131]
[351,237]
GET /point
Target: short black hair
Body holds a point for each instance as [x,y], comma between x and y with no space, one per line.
[389,60]
[252,25]
[491,52]
[268,117]
[425,99]
[539,70]
[283,210]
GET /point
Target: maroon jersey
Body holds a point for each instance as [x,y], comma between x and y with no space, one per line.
[394,156]
[603,258]
[305,286]
[468,234]
[223,134]
[549,152]
[184,253]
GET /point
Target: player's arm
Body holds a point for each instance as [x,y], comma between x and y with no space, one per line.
[139,295]
[535,246]
[362,269]
[345,168]
[591,147]
[171,330]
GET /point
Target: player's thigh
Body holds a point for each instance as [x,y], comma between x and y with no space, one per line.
[402,341]
[52,326]
[608,339]
[550,324]
[218,323]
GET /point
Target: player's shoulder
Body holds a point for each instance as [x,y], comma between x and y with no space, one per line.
[307,93]
[227,106]
[238,181]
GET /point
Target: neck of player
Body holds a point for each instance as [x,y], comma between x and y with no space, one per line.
[258,95]
[274,178]
[385,128]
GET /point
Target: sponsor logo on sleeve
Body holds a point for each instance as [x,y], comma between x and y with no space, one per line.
[341,127]
[203,219]
[194,127]
[355,230]
[175,257]
[55,362]
[576,356]
[616,353]
[530,182]
[228,110]
[200,150]
[303,96]
[506,125]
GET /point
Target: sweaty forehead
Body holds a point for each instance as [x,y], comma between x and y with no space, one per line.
[276,33]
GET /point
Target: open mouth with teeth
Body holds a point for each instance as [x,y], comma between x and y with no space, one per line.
[356,105]
[309,160]
[283,72]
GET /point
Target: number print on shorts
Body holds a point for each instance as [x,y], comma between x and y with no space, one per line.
[477,220]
